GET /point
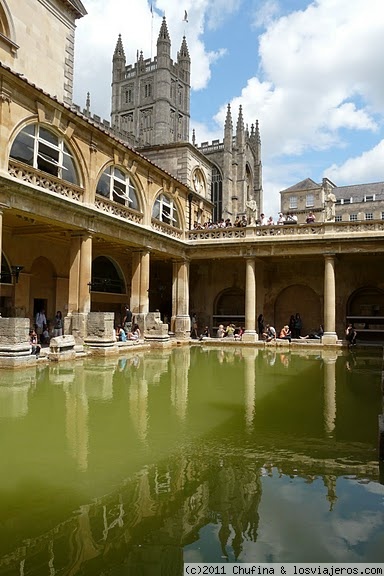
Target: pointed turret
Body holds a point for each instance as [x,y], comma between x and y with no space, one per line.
[258,139]
[118,61]
[240,133]
[163,45]
[228,130]
[184,60]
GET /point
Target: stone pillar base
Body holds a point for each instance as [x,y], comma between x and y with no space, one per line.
[15,349]
[329,338]
[183,327]
[155,330]
[250,336]
[76,324]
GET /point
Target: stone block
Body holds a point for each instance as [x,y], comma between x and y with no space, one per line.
[62,348]
[15,349]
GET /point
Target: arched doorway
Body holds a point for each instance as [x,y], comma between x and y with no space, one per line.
[229,307]
[108,289]
[6,288]
[43,288]
[365,310]
[302,299]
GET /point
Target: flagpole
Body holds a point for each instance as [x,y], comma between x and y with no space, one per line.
[151,29]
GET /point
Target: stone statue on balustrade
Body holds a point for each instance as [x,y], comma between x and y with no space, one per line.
[251,212]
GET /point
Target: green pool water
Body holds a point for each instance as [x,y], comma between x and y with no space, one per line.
[137,464]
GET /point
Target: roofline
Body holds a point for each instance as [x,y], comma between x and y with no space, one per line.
[92,123]
[77,7]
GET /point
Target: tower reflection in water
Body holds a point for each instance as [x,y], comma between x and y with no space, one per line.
[189,455]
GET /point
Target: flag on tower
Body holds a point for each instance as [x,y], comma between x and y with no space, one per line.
[185,19]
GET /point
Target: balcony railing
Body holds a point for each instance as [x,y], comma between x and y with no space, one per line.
[41,179]
[166,229]
[115,209]
[280,232]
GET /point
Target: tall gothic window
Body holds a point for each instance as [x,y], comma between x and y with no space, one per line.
[116,184]
[217,194]
[41,148]
[165,210]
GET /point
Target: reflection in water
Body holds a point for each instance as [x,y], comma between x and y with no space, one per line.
[329,392]
[190,455]
[14,390]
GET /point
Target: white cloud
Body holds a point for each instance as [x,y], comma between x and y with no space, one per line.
[368,167]
[97,34]
[320,72]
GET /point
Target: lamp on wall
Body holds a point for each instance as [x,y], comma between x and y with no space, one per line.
[15,271]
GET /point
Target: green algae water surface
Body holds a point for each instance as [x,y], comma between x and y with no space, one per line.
[138,464]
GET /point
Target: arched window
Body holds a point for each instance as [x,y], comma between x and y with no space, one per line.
[217,194]
[40,148]
[115,184]
[106,277]
[165,210]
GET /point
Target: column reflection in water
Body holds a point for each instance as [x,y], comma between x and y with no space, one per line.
[329,359]
[76,417]
[249,355]
[179,380]
[138,400]
[14,394]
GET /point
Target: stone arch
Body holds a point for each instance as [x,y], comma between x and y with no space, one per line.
[217,193]
[229,306]
[5,271]
[366,301]
[302,299]
[43,286]
[69,159]
[157,212]
[107,276]
[249,181]
[132,181]
[7,28]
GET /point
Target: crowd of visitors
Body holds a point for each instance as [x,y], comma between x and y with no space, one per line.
[241,222]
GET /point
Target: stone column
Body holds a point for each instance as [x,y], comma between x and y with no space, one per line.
[250,334]
[144,282]
[180,299]
[330,336]
[135,283]
[139,303]
[85,274]
[74,270]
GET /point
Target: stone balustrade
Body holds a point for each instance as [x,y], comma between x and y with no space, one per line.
[29,175]
[359,228]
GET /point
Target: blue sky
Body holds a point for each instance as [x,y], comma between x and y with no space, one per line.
[310,72]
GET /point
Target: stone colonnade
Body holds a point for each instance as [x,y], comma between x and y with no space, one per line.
[330,336]
[80,276]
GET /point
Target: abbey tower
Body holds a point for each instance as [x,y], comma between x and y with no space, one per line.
[151,110]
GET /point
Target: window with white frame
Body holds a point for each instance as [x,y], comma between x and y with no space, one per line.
[309,200]
[353,217]
[165,210]
[116,184]
[382,215]
[41,148]
[338,218]
[293,202]
[369,216]
[369,198]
